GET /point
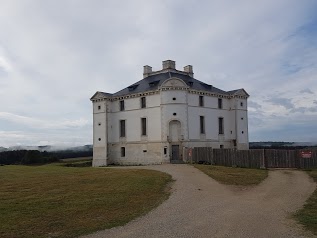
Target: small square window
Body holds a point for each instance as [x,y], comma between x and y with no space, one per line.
[99,107]
[99,124]
[99,139]
[174,99]
[242,132]
[221,146]
[241,118]
[241,104]
[122,151]
[174,114]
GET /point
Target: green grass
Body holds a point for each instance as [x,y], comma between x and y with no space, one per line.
[57,201]
[308,214]
[234,176]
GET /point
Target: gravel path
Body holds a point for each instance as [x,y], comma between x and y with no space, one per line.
[201,207]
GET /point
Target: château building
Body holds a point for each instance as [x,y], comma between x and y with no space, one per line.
[151,121]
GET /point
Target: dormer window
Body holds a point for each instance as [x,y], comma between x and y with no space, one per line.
[154,83]
[133,87]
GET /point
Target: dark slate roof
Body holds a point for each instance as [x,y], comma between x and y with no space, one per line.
[106,94]
[152,82]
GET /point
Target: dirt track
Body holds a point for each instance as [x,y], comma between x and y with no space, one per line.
[201,207]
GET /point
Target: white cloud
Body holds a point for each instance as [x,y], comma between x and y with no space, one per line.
[36,123]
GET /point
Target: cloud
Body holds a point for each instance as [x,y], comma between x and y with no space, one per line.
[254,104]
[36,123]
[306,90]
[284,102]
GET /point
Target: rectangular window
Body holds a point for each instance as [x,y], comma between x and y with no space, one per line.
[221,128]
[122,128]
[165,150]
[201,101]
[220,103]
[122,151]
[143,126]
[143,102]
[202,125]
[122,105]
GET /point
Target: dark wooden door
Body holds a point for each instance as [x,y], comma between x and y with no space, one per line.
[175,152]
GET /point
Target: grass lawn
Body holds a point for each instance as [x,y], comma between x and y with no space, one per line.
[234,176]
[308,214]
[57,201]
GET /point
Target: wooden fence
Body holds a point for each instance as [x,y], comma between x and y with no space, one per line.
[256,158]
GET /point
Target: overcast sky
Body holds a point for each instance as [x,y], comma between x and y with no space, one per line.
[54,55]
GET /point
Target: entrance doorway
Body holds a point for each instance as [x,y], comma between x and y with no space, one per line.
[175,152]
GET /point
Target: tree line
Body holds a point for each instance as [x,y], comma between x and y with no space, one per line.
[38,157]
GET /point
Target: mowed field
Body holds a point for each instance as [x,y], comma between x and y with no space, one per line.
[57,201]
[308,214]
[234,176]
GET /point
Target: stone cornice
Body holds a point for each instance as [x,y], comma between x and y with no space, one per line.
[168,88]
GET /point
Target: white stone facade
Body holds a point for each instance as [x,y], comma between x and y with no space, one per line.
[179,111]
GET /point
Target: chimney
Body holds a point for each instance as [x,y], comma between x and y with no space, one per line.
[189,69]
[146,71]
[168,64]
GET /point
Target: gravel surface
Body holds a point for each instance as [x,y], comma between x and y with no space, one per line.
[201,207]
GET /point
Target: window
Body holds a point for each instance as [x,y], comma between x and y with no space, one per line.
[202,125]
[220,123]
[174,99]
[201,101]
[99,124]
[165,150]
[242,132]
[241,104]
[99,139]
[122,105]
[174,114]
[220,103]
[122,151]
[241,118]
[99,107]
[143,102]
[122,128]
[221,146]
[143,126]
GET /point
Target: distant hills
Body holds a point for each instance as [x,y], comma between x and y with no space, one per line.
[51,148]
[48,148]
[281,145]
